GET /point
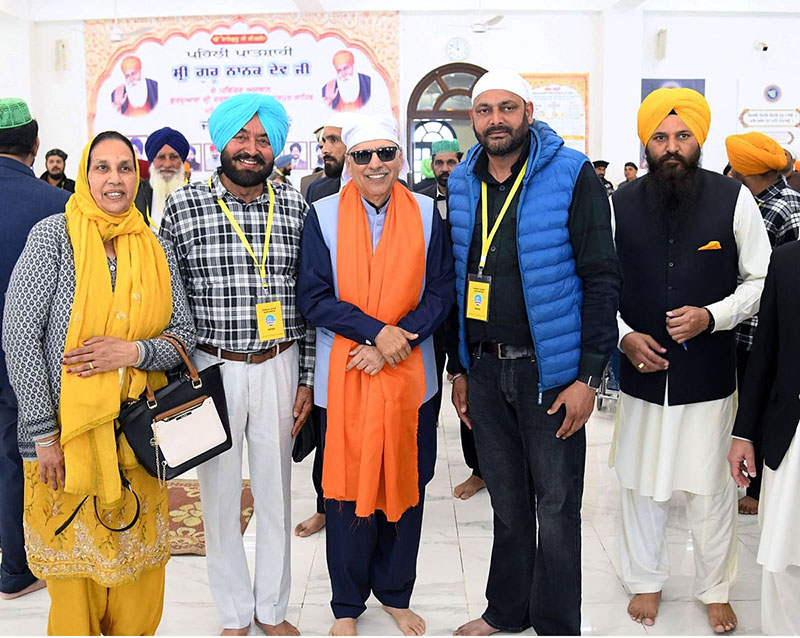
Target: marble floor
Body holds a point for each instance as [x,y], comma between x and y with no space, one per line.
[454,559]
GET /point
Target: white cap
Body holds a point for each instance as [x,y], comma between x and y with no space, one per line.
[370,127]
[367,128]
[339,120]
[503,80]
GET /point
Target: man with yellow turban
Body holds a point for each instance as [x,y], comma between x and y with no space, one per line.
[757,161]
[694,254]
[237,239]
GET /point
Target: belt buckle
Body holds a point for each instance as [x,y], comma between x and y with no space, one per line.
[500,351]
[249,358]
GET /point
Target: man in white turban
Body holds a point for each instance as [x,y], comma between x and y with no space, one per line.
[537,286]
[376,279]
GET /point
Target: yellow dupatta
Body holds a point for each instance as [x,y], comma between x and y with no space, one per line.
[139,307]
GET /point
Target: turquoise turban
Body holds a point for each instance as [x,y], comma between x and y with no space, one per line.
[232,114]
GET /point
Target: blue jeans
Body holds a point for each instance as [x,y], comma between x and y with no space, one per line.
[534,574]
[14,573]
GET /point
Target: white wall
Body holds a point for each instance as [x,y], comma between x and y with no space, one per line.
[15,58]
[532,42]
[615,46]
[720,48]
[58,98]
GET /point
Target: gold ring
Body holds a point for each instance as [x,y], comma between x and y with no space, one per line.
[91,365]
[640,366]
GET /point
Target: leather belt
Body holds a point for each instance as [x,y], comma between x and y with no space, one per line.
[246,357]
[505,350]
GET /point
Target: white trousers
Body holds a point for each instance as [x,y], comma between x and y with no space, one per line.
[260,399]
[780,601]
[644,554]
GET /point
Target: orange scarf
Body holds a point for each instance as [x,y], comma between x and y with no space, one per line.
[371,441]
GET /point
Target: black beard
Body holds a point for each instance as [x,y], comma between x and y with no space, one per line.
[334,169]
[245,178]
[442,178]
[56,177]
[671,191]
[513,143]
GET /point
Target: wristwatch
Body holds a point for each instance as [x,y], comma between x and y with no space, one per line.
[711,322]
[592,382]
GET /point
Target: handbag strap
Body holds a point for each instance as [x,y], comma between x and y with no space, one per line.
[179,345]
[126,485]
[183,351]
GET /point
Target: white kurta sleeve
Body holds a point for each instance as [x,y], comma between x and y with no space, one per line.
[752,244]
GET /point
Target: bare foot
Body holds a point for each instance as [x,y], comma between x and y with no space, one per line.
[477,627]
[34,586]
[407,621]
[469,488]
[343,627]
[281,629]
[748,505]
[235,632]
[643,608]
[310,526]
[721,617]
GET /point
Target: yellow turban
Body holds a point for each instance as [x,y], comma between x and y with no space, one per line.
[689,105]
[340,58]
[754,154]
[131,63]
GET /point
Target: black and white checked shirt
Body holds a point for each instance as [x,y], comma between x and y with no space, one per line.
[222,281]
[780,207]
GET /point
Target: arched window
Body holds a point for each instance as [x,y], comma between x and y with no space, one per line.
[439,110]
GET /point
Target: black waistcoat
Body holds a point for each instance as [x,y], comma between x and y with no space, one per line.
[662,273]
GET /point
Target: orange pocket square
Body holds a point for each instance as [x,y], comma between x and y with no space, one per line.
[712,245]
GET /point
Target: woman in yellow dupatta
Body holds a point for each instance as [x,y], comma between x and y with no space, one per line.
[100,580]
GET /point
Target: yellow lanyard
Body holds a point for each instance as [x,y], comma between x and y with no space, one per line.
[487,239]
[150,221]
[262,266]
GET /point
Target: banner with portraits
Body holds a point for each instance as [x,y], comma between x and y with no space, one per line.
[143,74]
[562,100]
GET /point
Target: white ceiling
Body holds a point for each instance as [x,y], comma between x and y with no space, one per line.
[48,10]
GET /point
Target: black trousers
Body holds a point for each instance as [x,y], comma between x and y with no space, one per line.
[372,554]
[535,483]
[14,573]
[754,489]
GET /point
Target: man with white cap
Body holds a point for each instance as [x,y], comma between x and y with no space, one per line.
[376,279]
[237,239]
[531,234]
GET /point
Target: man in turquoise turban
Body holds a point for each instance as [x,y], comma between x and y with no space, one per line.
[237,239]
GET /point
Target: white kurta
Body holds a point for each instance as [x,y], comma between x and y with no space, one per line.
[779,513]
[779,549]
[658,449]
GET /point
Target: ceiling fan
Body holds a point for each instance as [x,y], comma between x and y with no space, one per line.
[482,26]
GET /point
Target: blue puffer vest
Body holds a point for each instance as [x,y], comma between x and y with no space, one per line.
[553,291]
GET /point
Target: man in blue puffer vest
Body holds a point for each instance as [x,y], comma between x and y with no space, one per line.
[538,285]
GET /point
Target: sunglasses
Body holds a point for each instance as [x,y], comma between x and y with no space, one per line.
[385,154]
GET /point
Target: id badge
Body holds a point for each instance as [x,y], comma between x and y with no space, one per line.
[270,321]
[478,297]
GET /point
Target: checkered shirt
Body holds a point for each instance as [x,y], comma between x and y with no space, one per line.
[780,208]
[222,281]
